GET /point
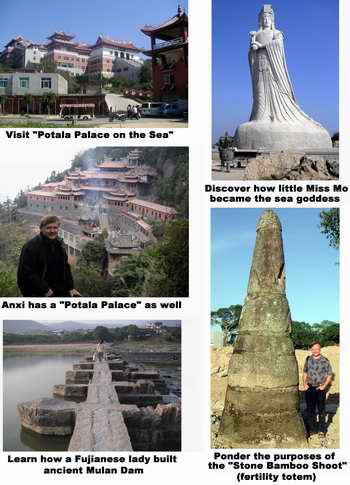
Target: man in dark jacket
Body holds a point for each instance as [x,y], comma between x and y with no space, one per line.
[43,268]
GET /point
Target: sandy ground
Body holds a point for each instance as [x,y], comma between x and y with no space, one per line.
[133,346]
[68,348]
[219,367]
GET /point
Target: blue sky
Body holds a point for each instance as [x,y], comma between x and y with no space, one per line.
[312,273]
[310,31]
[87,19]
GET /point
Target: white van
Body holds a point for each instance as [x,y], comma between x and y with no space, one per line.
[152,109]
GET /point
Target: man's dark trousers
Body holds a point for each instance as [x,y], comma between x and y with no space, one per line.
[316,404]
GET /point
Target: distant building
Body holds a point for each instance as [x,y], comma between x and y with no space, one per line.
[69,55]
[20,53]
[151,210]
[107,57]
[33,83]
[156,327]
[113,58]
[169,57]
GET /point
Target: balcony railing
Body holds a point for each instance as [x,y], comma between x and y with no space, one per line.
[167,43]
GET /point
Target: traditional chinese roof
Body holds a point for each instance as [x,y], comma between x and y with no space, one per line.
[153,206]
[179,19]
[101,175]
[108,41]
[18,40]
[144,224]
[113,164]
[43,193]
[61,36]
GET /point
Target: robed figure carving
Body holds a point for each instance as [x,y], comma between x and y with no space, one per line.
[276,122]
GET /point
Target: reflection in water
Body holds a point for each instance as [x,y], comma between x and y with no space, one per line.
[38,442]
[27,377]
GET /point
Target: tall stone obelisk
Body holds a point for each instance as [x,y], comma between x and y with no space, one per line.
[262,397]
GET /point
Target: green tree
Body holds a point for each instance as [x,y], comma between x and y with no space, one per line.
[145,75]
[228,320]
[8,281]
[48,100]
[82,82]
[89,281]
[104,333]
[93,252]
[3,100]
[302,335]
[28,99]
[129,277]
[330,226]
[47,65]
[167,263]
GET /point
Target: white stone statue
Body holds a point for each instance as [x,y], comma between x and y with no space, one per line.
[277,121]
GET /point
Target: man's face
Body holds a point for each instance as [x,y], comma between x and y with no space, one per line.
[51,230]
[316,350]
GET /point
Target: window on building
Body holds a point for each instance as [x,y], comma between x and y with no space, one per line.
[125,69]
[119,70]
[24,82]
[4,82]
[45,82]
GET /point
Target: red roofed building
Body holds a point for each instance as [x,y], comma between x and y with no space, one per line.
[151,210]
[21,53]
[69,55]
[111,57]
[169,52]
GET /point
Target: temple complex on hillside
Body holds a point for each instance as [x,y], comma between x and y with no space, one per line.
[116,196]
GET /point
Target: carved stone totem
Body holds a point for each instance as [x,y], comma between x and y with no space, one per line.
[262,397]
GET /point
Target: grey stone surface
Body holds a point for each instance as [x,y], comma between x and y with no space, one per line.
[100,429]
[293,166]
[277,122]
[48,416]
[262,397]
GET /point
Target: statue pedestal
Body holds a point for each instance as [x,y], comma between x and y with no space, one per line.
[278,136]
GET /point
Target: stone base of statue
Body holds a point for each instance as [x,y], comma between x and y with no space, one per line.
[277,136]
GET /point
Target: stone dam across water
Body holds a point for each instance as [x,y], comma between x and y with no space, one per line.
[108,406]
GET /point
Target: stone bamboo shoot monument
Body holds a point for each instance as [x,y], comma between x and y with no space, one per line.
[277,122]
[262,397]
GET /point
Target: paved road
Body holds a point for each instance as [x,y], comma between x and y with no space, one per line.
[102,122]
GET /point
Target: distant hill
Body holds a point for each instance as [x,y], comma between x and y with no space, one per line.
[32,327]
[24,326]
[71,326]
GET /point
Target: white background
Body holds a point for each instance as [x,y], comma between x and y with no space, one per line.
[192,461]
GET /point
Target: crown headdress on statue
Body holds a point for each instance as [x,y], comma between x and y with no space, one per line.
[269,10]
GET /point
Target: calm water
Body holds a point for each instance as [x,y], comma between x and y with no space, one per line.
[32,376]
[28,377]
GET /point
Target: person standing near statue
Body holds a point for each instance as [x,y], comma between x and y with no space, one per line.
[317,377]
[43,269]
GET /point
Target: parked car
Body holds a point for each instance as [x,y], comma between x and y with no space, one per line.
[152,109]
[173,110]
